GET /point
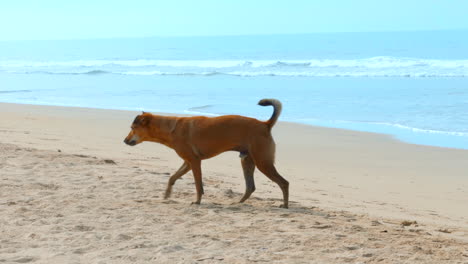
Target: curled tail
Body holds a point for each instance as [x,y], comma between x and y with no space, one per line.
[276,110]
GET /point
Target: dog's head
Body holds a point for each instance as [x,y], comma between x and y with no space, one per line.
[140,129]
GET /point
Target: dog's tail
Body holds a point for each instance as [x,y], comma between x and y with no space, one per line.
[277,107]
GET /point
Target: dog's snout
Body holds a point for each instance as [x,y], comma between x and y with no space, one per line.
[130,142]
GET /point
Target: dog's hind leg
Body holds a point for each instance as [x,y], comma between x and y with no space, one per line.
[270,171]
[264,160]
[248,167]
[180,172]
[263,154]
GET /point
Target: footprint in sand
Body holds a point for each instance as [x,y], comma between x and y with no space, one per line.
[24,259]
[171,249]
[352,247]
[83,228]
[124,237]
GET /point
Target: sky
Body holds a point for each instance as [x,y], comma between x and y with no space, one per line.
[59,19]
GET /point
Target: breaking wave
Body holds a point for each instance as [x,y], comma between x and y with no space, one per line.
[370,67]
[257,74]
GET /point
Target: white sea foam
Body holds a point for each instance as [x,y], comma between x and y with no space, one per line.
[420,130]
[254,74]
[375,62]
[365,126]
[370,67]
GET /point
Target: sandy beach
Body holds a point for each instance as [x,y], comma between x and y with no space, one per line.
[72,192]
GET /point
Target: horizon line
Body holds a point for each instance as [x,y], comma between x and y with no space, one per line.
[235,35]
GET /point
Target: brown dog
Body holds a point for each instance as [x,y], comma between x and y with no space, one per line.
[198,138]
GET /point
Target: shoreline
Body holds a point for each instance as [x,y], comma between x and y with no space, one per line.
[323,125]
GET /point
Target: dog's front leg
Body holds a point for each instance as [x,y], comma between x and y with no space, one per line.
[182,170]
[197,174]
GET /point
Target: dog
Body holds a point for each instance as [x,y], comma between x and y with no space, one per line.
[197,138]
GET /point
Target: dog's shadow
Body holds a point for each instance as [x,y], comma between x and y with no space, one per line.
[254,205]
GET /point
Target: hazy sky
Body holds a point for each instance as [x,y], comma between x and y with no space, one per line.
[62,19]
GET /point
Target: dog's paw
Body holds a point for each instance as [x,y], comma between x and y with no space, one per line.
[196,203]
[167,194]
[283,206]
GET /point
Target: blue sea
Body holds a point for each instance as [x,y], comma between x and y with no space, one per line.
[411,85]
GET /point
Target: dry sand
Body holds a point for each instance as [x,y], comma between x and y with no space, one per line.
[72,192]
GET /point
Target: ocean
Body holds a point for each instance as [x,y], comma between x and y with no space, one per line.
[411,85]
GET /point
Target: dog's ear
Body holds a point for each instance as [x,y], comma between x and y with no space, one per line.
[143,120]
